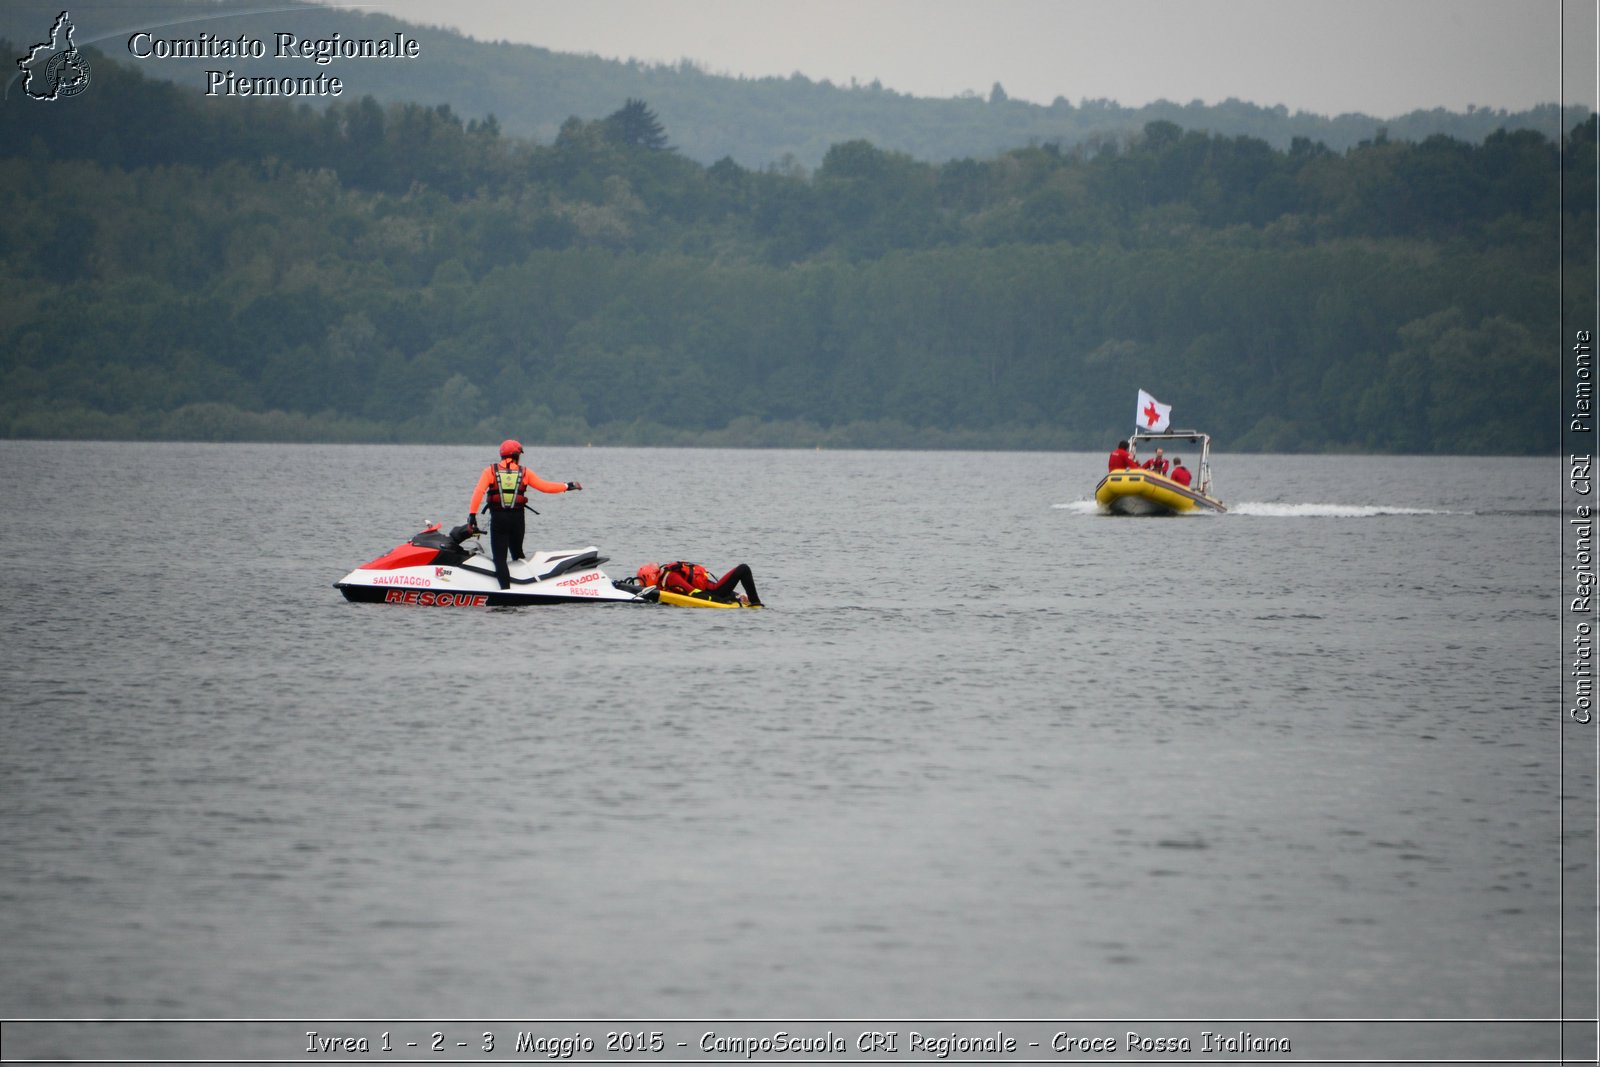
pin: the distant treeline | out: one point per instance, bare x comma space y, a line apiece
754, 121
234, 269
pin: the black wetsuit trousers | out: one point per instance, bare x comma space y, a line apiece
740, 575
505, 535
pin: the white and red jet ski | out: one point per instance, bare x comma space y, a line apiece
449, 570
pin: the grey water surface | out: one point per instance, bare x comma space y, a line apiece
987, 754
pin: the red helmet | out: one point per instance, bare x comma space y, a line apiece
510, 447
649, 574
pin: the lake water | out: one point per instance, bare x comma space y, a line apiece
988, 755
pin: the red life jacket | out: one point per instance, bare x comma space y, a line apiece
685, 578
500, 499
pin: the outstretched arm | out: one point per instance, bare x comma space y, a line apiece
533, 481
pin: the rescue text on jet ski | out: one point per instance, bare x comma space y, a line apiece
451, 570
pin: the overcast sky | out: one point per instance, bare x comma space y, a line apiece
1380, 57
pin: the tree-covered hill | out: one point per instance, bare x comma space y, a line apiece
757, 122
183, 267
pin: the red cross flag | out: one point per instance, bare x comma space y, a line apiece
1153, 414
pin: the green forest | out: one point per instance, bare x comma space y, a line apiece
532, 91
241, 269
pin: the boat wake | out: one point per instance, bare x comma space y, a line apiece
1293, 511
1333, 511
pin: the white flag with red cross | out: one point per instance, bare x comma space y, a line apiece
1153, 414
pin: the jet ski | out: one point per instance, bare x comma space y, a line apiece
451, 570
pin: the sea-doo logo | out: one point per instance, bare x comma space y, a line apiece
593, 576
55, 69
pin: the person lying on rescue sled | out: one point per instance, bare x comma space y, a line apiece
691, 579
502, 491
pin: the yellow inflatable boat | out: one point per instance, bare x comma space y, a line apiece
1137, 491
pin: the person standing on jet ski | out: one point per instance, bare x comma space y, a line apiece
502, 491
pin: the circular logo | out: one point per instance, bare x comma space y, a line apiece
67, 74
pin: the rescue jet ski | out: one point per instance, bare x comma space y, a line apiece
452, 570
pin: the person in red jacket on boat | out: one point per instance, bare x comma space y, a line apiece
1121, 458
502, 491
1157, 463
690, 578
1180, 473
